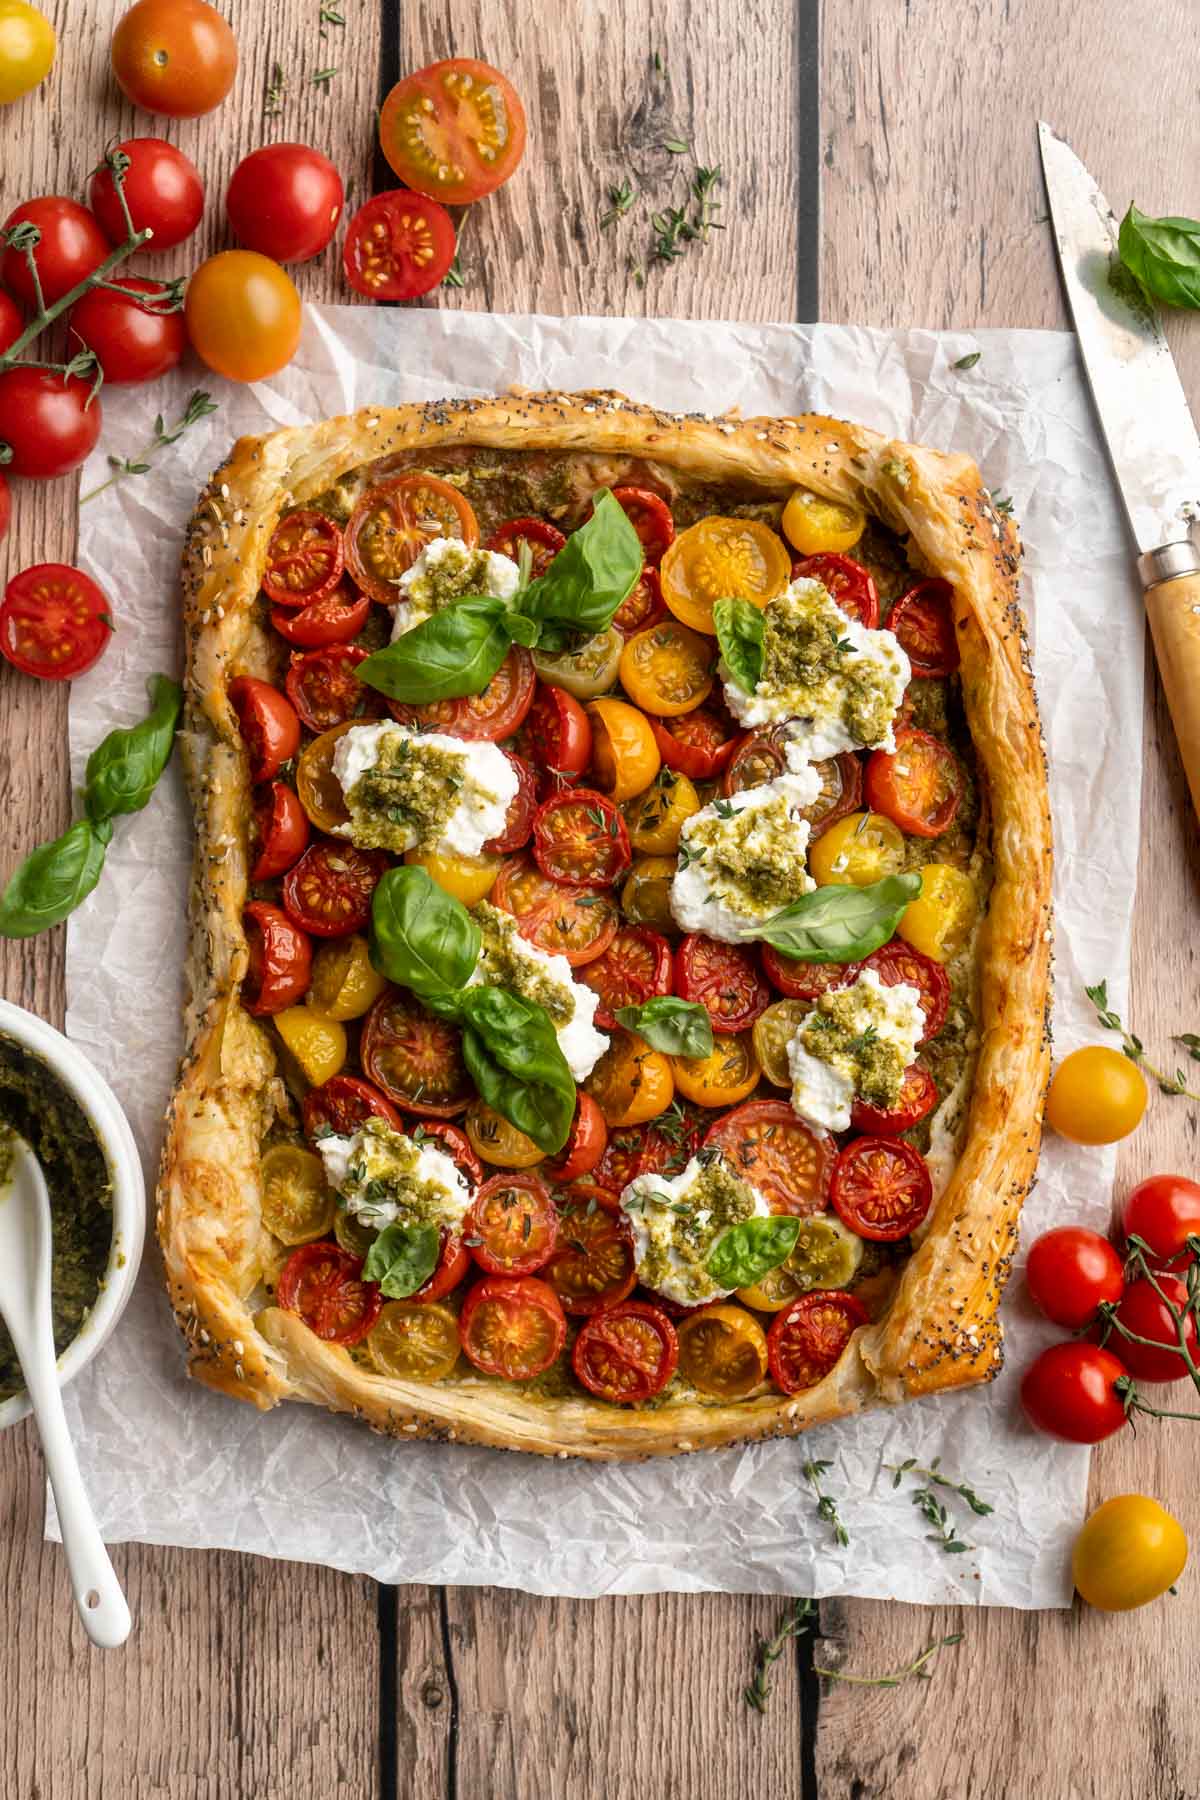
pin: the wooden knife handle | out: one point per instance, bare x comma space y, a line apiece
1173, 609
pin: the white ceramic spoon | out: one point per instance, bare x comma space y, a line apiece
25, 1308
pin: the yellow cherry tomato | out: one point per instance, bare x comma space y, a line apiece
317, 1044
586, 671
411, 1342
724, 1077
772, 1032
631, 1083
298, 1203
495, 1140
344, 984
27, 45
243, 315
723, 1352
668, 670
722, 559
646, 895
352, 1234
468, 878
1096, 1096
860, 849
625, 757
814, 525
658, 816
317, 787
1130, 1551
826, 1255
939, 921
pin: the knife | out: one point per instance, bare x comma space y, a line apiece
1147, 427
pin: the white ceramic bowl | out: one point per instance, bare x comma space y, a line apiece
129, 1189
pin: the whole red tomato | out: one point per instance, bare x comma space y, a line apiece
134, 339
175, 57
11, 322
1164, 1212
163, 191
1069, 1391
285, 201
71, 246
1070, 1272
49, 422
1145, 1312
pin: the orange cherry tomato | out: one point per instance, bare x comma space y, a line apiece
454, 131
722, 559
668, 670
625, 757
243, 315
319, 789
392, 524
584, 1146
723, 1078
631, 1083
723, 1352
174, 57
512, 1326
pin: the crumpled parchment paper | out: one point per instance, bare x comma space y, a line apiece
168, 1462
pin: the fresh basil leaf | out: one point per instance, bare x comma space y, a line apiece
422, 937
54, 879
596, 569
1163, 256
739, 627
676, 1027
513, 1056
402, 1258
746, 1252
456, 652
840, 924
124, 768
523, 630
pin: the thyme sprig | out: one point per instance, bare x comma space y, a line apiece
273, 94
919, 1667
1132, 1046
826, 1504
621, 197
793, 1621
453, 278
935, 1514
934, 1477
199, 405
329, 15
322, 77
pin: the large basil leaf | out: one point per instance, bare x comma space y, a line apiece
739, 627
54, 879
746, 1252
402, 1258
676, 1027
456, 652
840, 924
596, 569
123, 769
1163, 256
422, 937
513, 1056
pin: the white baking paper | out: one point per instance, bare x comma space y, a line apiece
168, 1462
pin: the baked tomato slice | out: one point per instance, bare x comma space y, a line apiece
518, 821
768, 1145
881, 1188
918, 1097
55, 622
329, 890
543, 539
801, 980
663, 1147
325, 691
578, 923
850, 585
280, 832
334, 619
268, 723
697, 744
635, 967
897, 961
668, 669
626, 1353
593, 1265
398, 246
280, 960
650, 517
305, 559
580, 839
455, 130
723, 1351
415, 1057
643, 607
556, 736
323, 1284
762, 755
723, 978
511, 1227
918, 786
392, 524
513, 1328
584, 1146
343, 1103
807, 1338
496, 713
923, 622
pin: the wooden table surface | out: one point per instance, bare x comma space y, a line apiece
880, 167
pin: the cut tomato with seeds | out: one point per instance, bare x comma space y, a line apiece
697, 744
513, 1328
723, 978
392, 524
518, 821
334, 619
650, 517
760, 756
807, 1338
496, 713
663, 1147
806, 980
772, 1148
643, 607
279, 966
580, 839
544, 541
455, 130
578, 923
281, 832
343, 1103
55, 622
896, 962
398, 246
329, 890
635, 967
325, 691
305, 559
846, 581
556, 736
669, 669
626, 1353
594, 1265
415, 1057
881, 1188
924, 626
511, 1227
918, 786
584, 1146
268, 723
323, 1285
918, 1097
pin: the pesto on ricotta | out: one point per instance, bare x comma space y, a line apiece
424, 791
507, 960
742, 858
855, 1043
448, 570
676, 1224
382, 1177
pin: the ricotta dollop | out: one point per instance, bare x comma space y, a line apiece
855, 1043
383, 1177
408, 790
508, 960
743, 858
446, 571
676, 1223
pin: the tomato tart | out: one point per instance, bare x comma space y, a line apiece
620, 925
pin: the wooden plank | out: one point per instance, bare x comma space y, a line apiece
934, 214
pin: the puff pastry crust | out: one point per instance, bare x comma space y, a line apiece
941, 1329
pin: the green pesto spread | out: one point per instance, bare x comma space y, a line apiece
848, 1030
751, 855
457, 572
35, 1104
405, 799
682, 1228
505, 962
809, 656
383, 1182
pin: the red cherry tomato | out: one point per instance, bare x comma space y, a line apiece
924, 626
285, 201
556, 736
329, 890
1147, 1314
280, 960
324, 689
496, 713
268, 723
580, 839
850, 585
584, 1146
398, 246
594, 1265
642, 608
771, 1147
455, 130
12, 322
54, 621
919, 785
801, 980
918, 1097
334, 619
881, 1189
544, 541
650, 517
723, 978
415, 1057
305, 559
511, 1227
1069, 1272
807, 1338
71, 246
343, 1103
635, 967
512, 1328
323, 1284
578, 923
626, 1353
134, 338
163, 191
662, 1148
760, 756
1069, 1392
175, 57
697, 744
518, 821
1164, 1211
896, 962
452, 1267
281, 829
50, 424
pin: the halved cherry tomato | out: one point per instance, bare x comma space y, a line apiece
415, 1057
584, 1146
329, 890
512, 1226
392, 524
305, 559
723, 978
773, 1149
413, 1341
941, 918
71, 246
281, 831
324, 1285
650, 517
1146, 1311
807, 1338
896, 962
335, 619
345, 983
626, 1353
455, 130
658, 815
805, 980
636, 966
580, 839
298, 1204
1069, 1391
722, 559
881, 1188
544, 540
593, 1265
924, 626
268, 723
55, 622
668, 670
761, 755
498, 1140
585, 668
280, 960
850, 586
467, 878
398, 245
698, 744
510, 1327
642, 607
859, 849
556, 736
631, 1083
918, 1097
723, 1352
342, 1104
730, 1074
325, 691
625, 759
319, 789
495, 713
576, 923
646, 895
773, 1032
919, 785
814, 525
518, 821
456, 1145
662, 1148
317, 1047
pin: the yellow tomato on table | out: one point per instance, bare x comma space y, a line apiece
668, 670
1130, 1551
722, 559
859, 849
27, 44
1096, 1096
939, 921
625, 757
243, 315
815, 526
